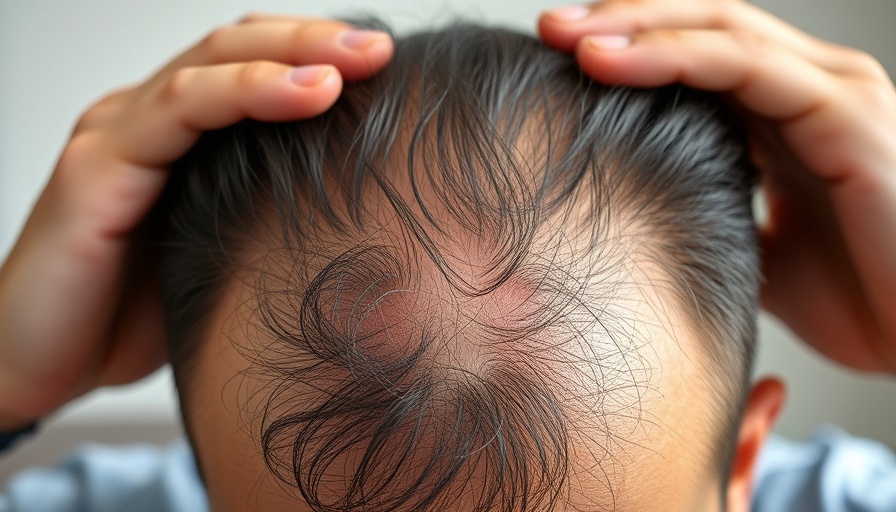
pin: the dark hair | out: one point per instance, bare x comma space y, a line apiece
478, 168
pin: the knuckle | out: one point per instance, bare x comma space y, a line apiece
78, 150
725, 13
252, 74
215, 43
90, 115
753, 44
101, 109
78, 145
85, 120
853, 61
177, 85
867, 64
305, 32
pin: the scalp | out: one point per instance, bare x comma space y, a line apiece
453, 275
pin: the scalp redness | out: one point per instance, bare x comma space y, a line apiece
447, 269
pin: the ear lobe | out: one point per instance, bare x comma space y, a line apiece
763, 406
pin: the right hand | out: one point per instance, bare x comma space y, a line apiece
74, 314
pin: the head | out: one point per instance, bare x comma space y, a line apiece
480, 282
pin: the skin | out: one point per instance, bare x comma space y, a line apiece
653, 462
822, 122
634, 453
74, 314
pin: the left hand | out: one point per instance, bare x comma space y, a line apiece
821, 121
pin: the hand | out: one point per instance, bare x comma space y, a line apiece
74, 315
822, 126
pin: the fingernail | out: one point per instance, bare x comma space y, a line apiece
609, 42
569, 13
361, 39
309, 76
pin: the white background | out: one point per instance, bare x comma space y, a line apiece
56, 56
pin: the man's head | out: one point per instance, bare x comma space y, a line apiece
480, 282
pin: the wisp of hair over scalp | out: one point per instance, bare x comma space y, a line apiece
439, 268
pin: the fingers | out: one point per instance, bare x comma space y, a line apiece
767, 78
170, 118
764, 64
114, 168
266, 67
293, 41
564, 27
357, 54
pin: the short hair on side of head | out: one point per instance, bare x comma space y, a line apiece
440, 257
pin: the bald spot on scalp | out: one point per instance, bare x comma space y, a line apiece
620, 380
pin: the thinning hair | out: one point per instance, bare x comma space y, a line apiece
440, 267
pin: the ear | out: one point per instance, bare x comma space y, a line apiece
763, 405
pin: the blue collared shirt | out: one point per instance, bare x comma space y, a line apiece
832, 472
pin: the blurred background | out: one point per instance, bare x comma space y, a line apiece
57, 56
